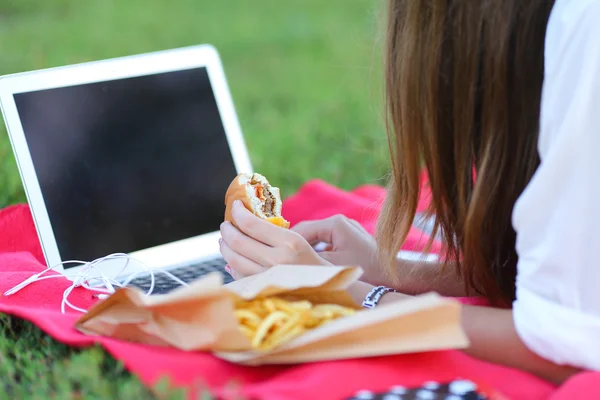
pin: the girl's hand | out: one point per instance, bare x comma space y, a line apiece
257, 244
348, 243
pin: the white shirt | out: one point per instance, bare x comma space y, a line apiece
557, 217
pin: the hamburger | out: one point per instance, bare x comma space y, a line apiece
258, 196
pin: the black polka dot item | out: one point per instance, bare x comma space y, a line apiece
455, 390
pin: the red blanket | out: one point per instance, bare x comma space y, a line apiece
20, 256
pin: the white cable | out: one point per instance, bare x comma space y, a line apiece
65, 300
85, 281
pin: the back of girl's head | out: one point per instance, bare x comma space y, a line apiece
463, 89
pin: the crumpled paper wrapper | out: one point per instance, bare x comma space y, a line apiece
200, 318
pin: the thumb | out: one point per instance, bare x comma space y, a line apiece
315, 231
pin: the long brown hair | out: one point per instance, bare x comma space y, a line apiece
463, 88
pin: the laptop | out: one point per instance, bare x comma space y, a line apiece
129, 155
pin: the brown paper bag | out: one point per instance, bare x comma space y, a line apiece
200, 317
197, 317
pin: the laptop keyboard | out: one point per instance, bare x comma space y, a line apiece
188, 273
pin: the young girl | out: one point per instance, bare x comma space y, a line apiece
499, 101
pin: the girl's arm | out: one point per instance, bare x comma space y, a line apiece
416, 277
492, 337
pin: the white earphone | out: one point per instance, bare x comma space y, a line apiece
104, 287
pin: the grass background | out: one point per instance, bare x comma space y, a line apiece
305, 76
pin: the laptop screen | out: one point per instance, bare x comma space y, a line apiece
128, 164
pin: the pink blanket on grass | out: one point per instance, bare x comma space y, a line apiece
20, 256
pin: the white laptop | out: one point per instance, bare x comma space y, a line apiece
129, 155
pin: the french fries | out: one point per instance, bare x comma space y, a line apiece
272, 321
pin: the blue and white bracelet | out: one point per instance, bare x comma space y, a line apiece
375, 296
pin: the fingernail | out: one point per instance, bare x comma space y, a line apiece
228, 269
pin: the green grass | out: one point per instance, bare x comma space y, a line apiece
305, 76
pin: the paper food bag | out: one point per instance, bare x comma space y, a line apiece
201, 317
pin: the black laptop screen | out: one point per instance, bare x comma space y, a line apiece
128, 164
